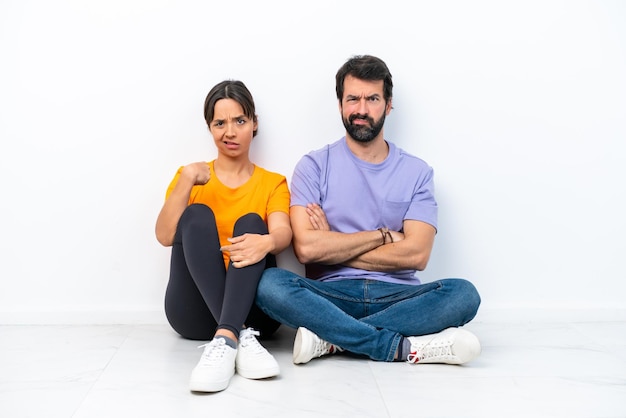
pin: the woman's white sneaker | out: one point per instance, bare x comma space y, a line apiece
253, 360
450, 346
215, 368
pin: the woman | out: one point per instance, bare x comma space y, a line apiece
225, 220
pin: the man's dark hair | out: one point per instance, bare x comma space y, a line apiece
365, 67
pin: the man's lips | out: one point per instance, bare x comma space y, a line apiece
360, 121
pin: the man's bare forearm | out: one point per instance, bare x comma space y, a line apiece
329, 247
389, 257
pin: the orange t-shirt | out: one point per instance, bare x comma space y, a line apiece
265, 192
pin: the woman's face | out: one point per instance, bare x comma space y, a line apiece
231, 129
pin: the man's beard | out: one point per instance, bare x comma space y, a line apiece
364, 133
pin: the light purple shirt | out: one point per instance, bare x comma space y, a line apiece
360, 196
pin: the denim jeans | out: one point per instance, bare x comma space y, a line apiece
366, 317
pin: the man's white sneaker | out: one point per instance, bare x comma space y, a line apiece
215, 368
451, 346
253, 360
308, 346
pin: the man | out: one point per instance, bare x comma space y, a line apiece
364, 220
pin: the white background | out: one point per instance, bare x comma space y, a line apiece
519, 107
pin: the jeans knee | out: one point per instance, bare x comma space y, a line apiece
267, 283
473, 294
471, 297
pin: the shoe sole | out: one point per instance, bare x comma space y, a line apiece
259, 374
208, 386
302, 338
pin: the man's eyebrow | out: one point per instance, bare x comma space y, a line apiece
371, 96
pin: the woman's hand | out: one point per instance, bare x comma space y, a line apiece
248, 249
199, 172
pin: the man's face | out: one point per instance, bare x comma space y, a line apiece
363, 108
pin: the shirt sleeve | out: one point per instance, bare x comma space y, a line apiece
173, 183
423, 205
305, 182
279, 198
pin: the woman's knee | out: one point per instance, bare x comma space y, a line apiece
196, 213
196, 209
250, 223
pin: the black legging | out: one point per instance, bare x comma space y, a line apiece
201, 294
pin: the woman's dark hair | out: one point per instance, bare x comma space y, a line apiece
230, 89
365, 67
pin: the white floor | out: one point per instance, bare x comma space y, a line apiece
525, 370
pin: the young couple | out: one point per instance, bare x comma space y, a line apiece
363, 219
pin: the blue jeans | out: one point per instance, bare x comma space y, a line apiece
366, 317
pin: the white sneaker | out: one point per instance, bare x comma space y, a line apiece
215, 368
253, 360
450, 346
308, 346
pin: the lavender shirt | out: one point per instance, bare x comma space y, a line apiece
360, 196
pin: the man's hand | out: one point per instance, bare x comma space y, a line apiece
317, 217
320, 223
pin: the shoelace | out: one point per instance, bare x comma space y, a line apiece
248, 340
428, 351
323, 347
213, 350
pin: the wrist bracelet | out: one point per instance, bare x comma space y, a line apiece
385, 233
382, 232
